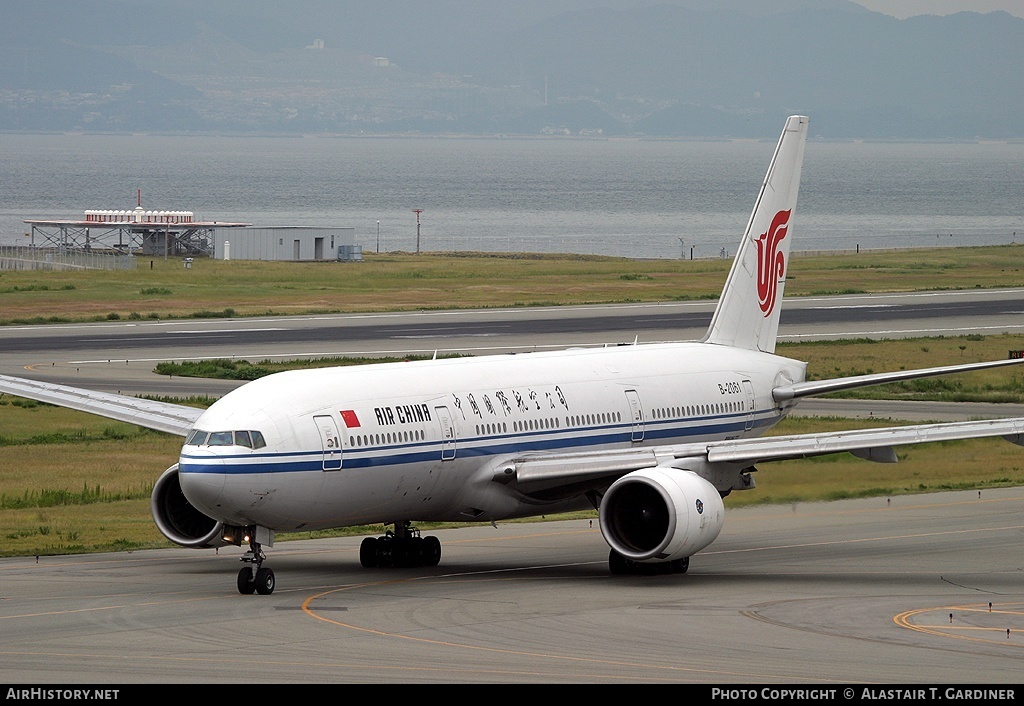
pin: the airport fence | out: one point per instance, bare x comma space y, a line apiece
20, 257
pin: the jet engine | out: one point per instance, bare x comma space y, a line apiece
660, 515
179, 521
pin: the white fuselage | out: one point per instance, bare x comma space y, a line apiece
418, 440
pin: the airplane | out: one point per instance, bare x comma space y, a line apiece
653, 436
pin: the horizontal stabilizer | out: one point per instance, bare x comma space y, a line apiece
858, 441
821, 387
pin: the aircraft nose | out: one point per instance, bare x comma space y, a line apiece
202, 484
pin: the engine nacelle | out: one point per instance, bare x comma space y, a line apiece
658, 515
179, 521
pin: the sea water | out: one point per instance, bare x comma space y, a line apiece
622, 197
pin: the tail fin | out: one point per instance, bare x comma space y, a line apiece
748, 310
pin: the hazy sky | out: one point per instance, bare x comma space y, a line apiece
906, 8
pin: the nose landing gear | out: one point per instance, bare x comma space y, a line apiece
255, 576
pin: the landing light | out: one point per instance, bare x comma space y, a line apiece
233, 535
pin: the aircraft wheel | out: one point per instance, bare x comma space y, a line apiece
431, 551
246, 583
405, 552
617, 564
385, 552
368, 553
415, 552
265, 581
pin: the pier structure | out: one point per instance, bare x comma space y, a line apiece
136, 231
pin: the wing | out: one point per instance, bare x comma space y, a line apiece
162, 416
552, 475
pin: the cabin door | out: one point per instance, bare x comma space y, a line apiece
748, 390
636, 412
444, 418
330, 441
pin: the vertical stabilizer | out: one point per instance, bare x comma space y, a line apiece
748, 311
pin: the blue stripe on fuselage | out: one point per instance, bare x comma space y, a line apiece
481, 446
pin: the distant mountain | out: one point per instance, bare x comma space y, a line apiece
693, 68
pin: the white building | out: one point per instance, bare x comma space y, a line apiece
286, 243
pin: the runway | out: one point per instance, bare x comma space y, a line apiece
854, 592
119, 356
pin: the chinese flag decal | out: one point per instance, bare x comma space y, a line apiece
349, 417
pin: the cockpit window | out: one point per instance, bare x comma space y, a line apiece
249, 439
221, 438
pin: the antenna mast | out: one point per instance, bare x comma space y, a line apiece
417, 211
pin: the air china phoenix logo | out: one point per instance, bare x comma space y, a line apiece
771, 264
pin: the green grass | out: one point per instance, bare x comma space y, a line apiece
234, 369
404, 281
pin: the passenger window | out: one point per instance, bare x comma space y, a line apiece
242, 439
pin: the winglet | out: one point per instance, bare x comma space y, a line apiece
747, 315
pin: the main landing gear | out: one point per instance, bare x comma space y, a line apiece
402, 548
255, 577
